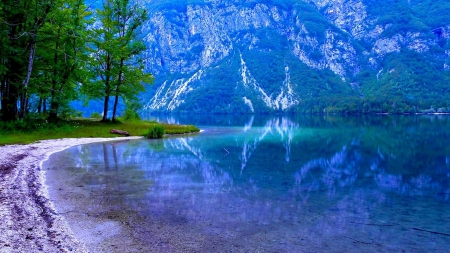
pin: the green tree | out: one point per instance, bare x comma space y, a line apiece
62, 53
51, 31
116, 63
20, 22
131, 70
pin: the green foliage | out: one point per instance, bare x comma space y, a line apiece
314, 22
217, 91
20, 22
179, 129
270, 39
269, 72
116, 66
155, 132
410, 83
95, 115
30, 126
129, 115
398, 15
69, 56
69, 112
434, 12
51, 31
132, 111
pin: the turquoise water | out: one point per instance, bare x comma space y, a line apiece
272, 184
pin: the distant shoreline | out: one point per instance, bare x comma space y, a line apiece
29, 220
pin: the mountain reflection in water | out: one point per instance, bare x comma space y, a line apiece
284, 184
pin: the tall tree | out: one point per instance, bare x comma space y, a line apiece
62, 55
131, 70
20, 22
119, 71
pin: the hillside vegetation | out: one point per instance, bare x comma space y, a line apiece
350, 56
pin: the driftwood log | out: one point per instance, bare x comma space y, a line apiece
115, 131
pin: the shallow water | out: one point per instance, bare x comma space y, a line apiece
264, 184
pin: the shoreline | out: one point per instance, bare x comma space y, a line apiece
29, 222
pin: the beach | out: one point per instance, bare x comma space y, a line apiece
29, 222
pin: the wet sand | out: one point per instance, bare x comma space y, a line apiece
28, 220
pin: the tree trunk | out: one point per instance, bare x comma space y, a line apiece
53, 114
119, 82
24, 98
23, 104
39, 106
11, 96
105, 109
121, 132
54, 105
2, 88
116, 101
107, 87
9, 102
27, 102
11, 80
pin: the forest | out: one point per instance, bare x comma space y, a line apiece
53, 52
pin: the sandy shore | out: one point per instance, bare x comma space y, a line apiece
28, 220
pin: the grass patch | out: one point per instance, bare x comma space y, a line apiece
35, 130
155, 132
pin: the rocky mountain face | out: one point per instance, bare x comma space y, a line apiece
226, 56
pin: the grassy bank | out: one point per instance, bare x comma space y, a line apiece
31, 131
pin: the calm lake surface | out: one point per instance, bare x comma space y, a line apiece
263, 184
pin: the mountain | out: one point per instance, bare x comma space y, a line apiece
225, 56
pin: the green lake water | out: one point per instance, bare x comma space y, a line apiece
263, 184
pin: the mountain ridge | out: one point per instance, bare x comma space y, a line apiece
294, 56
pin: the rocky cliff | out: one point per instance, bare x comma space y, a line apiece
291, 55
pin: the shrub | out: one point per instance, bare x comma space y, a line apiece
131, 112
96, 115
155, 132
130, 115
68, 112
